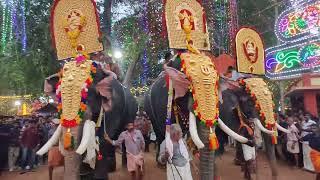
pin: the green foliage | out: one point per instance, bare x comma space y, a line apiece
24, 73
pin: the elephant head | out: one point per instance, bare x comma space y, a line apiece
106, 106
253, 97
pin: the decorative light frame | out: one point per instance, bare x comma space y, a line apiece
301, 7
297, 42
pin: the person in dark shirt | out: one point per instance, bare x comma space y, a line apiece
249, 153
14, 146
314, 143
29, 142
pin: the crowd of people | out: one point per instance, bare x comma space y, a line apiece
20, 138
290, 146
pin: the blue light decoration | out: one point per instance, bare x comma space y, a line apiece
298, 30
13, 24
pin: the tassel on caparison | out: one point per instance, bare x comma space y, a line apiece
274, 139
213, 140
67, 140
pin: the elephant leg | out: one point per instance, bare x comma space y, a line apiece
207, 157
72, 166
72, 160
270, 150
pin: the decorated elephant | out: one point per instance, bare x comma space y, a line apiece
109, 107
90, 100
250, 99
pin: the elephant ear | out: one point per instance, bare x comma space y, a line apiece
50, 85
179, 80
104, 88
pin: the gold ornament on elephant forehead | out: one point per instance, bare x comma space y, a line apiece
204, 87
262, 96
250, 52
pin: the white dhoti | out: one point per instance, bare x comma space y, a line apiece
249, 152
179, 173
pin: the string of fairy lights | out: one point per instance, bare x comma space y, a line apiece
13, 23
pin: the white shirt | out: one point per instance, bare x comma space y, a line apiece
306, 125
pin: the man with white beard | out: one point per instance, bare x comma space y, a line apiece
174, 153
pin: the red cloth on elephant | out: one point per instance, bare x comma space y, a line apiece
180, 82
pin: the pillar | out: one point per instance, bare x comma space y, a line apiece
310, 102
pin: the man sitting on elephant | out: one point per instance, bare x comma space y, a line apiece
135, 145
175, 155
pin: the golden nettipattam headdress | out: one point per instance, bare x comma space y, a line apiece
75, 27
250, 52
180, 13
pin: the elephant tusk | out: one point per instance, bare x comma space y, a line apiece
88, 129
51, 142
282, 128
260, 126
194, 132
231, 133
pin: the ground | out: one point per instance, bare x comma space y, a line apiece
225, 167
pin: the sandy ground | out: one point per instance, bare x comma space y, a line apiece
226, 170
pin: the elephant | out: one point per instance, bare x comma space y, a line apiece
237, 96
156, 101
110, 106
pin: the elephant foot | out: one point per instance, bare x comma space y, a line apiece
274, 177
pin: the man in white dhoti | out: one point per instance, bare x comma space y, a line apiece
174, 153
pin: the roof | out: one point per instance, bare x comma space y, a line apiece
297, 90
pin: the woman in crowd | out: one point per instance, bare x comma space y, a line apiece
293, 140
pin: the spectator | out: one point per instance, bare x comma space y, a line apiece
305, 124
174, 153
248, 149
293, 140
144, 125
14, 147
134, 143
281, 147
314, 142
29, 141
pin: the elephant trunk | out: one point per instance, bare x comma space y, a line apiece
231, 133
51, 142
72, 160
194, 132
207, 156
263, 129
271, 155
282, 128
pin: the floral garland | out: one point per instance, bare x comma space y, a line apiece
83, 107
270, 126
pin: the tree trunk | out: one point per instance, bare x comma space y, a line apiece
72, 160
127, 79
270, 150
207, 157
107, 16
